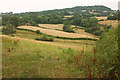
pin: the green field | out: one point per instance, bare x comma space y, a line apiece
76, 44
26, 59
32, 59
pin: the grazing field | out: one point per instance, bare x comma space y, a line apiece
26, 34
75, 44
57, 33
113, 23
100, 18
29, 59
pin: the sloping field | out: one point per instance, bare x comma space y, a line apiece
53, 26
57, 33
94, 13
82, 31
99, 18
114, 23
68, 16
77, 45
23, 58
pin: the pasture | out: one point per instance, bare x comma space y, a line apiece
30, 59
75, 44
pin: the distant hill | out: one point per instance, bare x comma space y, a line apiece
80, 8
100, 9
78, 16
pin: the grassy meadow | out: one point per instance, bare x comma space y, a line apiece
78, 42
27, 59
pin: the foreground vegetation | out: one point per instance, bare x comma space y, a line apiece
38, 60
65, 55
49, 61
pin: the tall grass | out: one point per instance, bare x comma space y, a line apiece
24, 59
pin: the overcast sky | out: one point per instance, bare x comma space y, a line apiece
18, 6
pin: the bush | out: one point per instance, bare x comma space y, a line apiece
38, 32
67, 28
8, 29
98, 32
107, 48
45, 38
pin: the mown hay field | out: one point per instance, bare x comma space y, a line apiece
82, 31
69, 16
94, 13
57, 33
113, 23
53, 26
100, 18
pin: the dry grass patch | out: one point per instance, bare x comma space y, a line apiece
53, 26
113, 23
82, 31
69, 16
94, 13
100, 18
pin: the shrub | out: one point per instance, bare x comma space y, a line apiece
107, 48
9, 29
38, 32
45, 38
98, 32
67, 28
